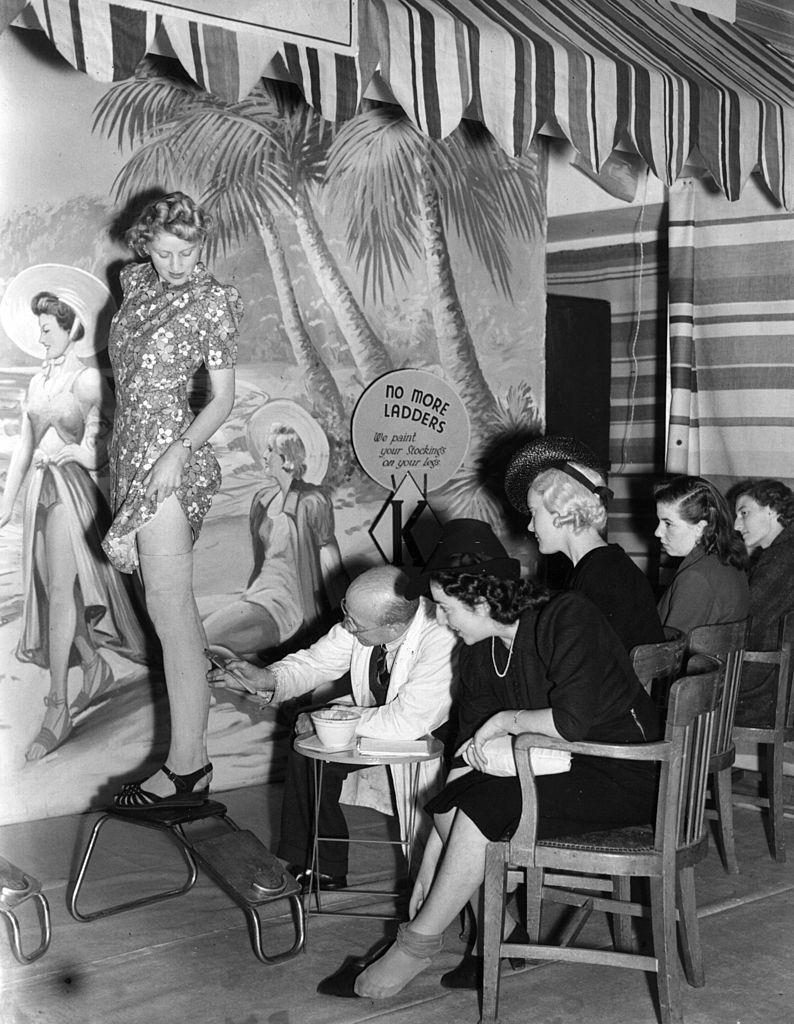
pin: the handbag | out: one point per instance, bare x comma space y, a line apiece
501, 760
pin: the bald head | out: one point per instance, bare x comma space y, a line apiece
376, 597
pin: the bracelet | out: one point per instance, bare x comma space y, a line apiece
515, 717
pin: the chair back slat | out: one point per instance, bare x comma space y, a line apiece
787, 669
782, 658
692, 709
724, 641
657, 666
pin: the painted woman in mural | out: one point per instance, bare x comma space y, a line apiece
297, 576
75, 603
174, 318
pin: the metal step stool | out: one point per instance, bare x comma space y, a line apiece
234, 858
16, 888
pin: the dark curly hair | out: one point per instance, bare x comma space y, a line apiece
175, 213
768, 494
506, 599
698, 499
48, 303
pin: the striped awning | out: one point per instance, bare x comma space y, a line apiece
666, 79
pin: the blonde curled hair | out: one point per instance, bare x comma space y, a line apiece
176, 214
570, 502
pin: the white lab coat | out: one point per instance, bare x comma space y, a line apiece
421, 685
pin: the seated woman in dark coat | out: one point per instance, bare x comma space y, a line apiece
710, 584
531, 663
765, 519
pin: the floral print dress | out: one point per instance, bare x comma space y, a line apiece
159, 338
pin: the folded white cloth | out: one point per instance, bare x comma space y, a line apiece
501, 761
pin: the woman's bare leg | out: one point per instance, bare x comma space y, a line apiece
165, 548
61, 571
458, 878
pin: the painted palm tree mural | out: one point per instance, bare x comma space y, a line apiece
400, 192
359, 249
398, 197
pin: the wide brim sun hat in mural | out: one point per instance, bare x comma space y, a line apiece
550, 452
287, 413
89, 297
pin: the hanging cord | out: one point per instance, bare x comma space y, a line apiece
636, 333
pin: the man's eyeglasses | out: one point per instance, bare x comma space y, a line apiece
350, 623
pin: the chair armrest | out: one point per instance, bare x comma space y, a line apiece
658, 751
763, 657
524, 836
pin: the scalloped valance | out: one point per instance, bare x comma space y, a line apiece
662, 78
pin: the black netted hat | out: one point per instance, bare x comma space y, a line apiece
466, 546
552, 452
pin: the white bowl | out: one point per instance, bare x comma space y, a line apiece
336, 726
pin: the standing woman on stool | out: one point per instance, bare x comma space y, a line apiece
174, 317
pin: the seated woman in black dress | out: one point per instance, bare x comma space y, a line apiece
558, 483
531, 663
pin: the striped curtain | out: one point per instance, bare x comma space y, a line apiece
663, 77
731, 335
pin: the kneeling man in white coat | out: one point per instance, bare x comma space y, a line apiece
402, 667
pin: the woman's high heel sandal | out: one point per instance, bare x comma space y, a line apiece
54, 730
97, 680
132, 798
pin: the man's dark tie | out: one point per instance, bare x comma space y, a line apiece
379, 674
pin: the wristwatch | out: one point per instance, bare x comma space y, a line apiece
186, 442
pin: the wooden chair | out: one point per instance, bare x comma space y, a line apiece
657, 666
665, 853
724, 641
774, 736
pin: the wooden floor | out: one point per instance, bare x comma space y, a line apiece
190, 959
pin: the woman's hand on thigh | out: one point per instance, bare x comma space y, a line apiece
165, 476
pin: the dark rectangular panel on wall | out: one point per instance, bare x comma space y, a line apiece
620, 256
578, 370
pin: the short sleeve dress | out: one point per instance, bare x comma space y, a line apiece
159, 338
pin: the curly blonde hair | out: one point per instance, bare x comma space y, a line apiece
571, 503
176, 214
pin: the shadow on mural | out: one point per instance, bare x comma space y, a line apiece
358, 249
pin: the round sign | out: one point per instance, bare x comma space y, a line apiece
410, 421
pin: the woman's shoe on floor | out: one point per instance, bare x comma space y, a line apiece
133, 799
400, 964
342, 983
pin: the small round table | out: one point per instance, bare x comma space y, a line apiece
320, 755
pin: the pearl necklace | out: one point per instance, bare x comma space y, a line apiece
501, 675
